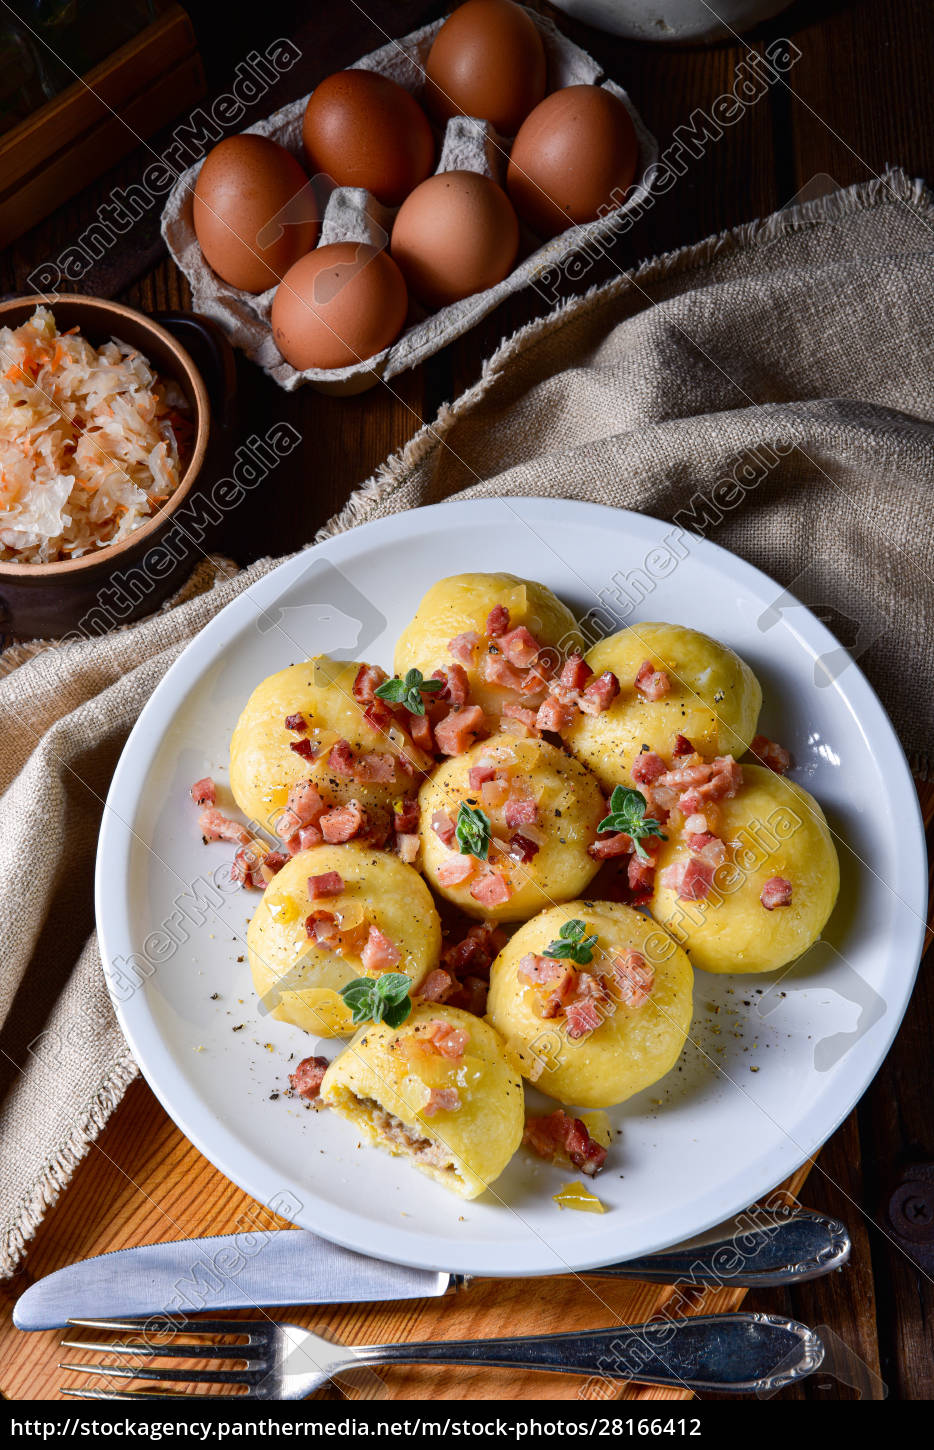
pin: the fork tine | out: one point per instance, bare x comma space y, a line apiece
141, 1372
89, 1394
256, 1332
174, 1351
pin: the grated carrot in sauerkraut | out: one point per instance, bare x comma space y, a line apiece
92, 442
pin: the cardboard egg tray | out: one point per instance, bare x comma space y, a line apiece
352, 214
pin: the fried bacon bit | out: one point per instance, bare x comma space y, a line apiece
498, 671
368, 680
304, 748
329, 883
407, 845
464, 647
682, 746
447, 1040
436, 987
554, 714
634, 977
648, 767
378, 714
304, 840
307, 1077
492, 889
520, 647
559, 1137
775, 892
459, 730
695, 881
651, 683
599, 694
380, 953
442, 1100
321, 928
640, 877
522, 848
476, 950
215, 826
539, 971
709, 846
342, 823
455, 686
443, 827
298, 723
419, 728
575, 672
698, 781
405, 815
527, 718
558, 978
470, 995
478, 775
617, 844
776, 757
341, 759
274, 861
377, 766
521, 811
204, 792
497, 621
583, 1016
247, 868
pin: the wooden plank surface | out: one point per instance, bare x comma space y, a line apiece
861, 96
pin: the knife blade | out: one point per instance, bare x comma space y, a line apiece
230, 1271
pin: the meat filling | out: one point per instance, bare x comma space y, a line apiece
404, 1139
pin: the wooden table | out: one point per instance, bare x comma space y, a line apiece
861, 96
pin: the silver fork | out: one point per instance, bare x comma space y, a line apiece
738, 1353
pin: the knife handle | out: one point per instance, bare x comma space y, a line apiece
759, 1249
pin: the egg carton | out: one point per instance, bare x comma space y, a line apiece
354, 215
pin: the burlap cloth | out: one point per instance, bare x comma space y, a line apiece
784, 372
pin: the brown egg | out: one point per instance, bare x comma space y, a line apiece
487, 60
362, 129
338, 305
240, 216
456, 234
573, 159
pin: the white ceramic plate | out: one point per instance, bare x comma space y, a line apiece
772, 1067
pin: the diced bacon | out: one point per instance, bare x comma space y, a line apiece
307, 1077
583, 1017
682, 746
634, 978
464, 647
539, 971
477, 949
699, 780
442, 1100
575, 672
443, 827
460, 729
520, 647
470, 995
341, 759
559, 980
329, 883
697, 879
247, 868
478, 775
405, 815
436, 987
497, 621
640, 877
422, 733
617, 844
522, 848
407, 845
498, 671
776, 757
304, 748
455, 870
368, 680
379, 766
659, 802
672, 876
492, 889
554, 714
521, 811
494, 794
455, 687
297, 723
599, 694
527, 718
559, 1137
342, 823
321, 928
647, 767
204, 792
380, 953
378, 831
709, 846
775, 892
535, 680
447, 1040
378, 714
651, 683
275, 860
306, 838
215, 826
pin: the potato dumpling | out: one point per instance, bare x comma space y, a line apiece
298, 977
775, 832
543, 808
263, 765
714, 700
619, 1022
439, 1090
459, 608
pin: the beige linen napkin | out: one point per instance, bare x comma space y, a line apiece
771, 388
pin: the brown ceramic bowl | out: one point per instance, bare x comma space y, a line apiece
126, 580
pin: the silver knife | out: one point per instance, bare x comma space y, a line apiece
759, 1248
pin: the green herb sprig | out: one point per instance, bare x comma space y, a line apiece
627, 814
572, 944
408, 691
379, 999
473, 830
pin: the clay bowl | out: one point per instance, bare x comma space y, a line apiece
123, 581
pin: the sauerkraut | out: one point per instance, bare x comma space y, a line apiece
92, 441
